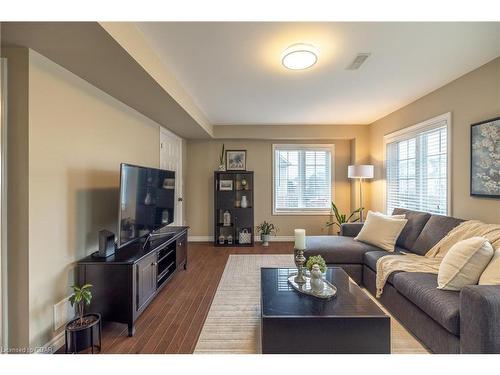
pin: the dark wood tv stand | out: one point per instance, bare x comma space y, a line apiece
124, 284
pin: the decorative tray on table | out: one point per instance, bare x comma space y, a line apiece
329, 290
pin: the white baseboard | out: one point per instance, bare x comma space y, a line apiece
53, 345
257, 239
200, 238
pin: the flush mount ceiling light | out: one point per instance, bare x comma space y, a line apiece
299, 56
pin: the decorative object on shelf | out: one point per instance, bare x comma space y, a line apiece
244, 183
340, 218
237, 185
222, 239
360, 172
226, 185
266, 230
317, 284
485, 158
318, 260
236, 160
244, 201
237, 203
226, 218
222, 166
81, 332
245, 237
300, 245
230, 239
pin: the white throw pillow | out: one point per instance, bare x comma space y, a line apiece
464, 263
491, 274
381, 230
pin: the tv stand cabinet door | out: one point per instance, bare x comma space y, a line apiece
146, 280
181, 251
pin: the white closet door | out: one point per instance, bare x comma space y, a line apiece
3, 218
171, 159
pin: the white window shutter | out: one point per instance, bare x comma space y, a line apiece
302, 178
416, 171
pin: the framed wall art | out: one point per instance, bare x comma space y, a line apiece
485, 158
236, 160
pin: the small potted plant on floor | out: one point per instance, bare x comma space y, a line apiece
340, 218
266, 230
85, 329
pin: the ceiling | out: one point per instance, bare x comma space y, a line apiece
233, 71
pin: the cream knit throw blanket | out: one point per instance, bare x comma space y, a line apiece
432, 259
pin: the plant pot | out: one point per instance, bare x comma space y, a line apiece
265, 239
81, 337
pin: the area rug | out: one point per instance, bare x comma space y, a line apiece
233, 321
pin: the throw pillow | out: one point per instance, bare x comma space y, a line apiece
381, 230
491, 274
464, 263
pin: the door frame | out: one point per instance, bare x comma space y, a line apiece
178, 216
3, 204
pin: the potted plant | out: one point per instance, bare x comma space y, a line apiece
78, 330
316, 260
317, 267
266, 230
222, 166
340, 218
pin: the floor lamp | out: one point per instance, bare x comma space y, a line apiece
360, 172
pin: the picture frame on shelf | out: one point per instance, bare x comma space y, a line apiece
236, 160
226, 185
484, 158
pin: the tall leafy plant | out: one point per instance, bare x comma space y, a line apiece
81, 297
221, 156
340, 218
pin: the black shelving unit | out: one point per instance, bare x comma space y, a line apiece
226, 201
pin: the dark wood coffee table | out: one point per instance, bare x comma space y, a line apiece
294, 323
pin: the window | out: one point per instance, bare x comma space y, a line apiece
302, 179
417, 167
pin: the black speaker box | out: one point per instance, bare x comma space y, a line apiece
106, 244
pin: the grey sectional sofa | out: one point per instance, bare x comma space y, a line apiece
444, 321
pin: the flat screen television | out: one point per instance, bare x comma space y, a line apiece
147, 201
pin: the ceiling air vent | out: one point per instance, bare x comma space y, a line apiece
358, 61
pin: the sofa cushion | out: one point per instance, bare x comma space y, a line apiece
337, 249
435, 229
371, 258
441, 305
381, 230
491, 275
412, 229
464, 263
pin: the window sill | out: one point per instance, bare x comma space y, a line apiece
301, 213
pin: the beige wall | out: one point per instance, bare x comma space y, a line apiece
471, 98
18, 188
357, 134
203, 159
78, 136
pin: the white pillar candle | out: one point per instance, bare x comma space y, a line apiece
300, 239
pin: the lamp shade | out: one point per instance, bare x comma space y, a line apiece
360, 171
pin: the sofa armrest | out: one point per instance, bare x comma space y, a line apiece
350, 229
480, 319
